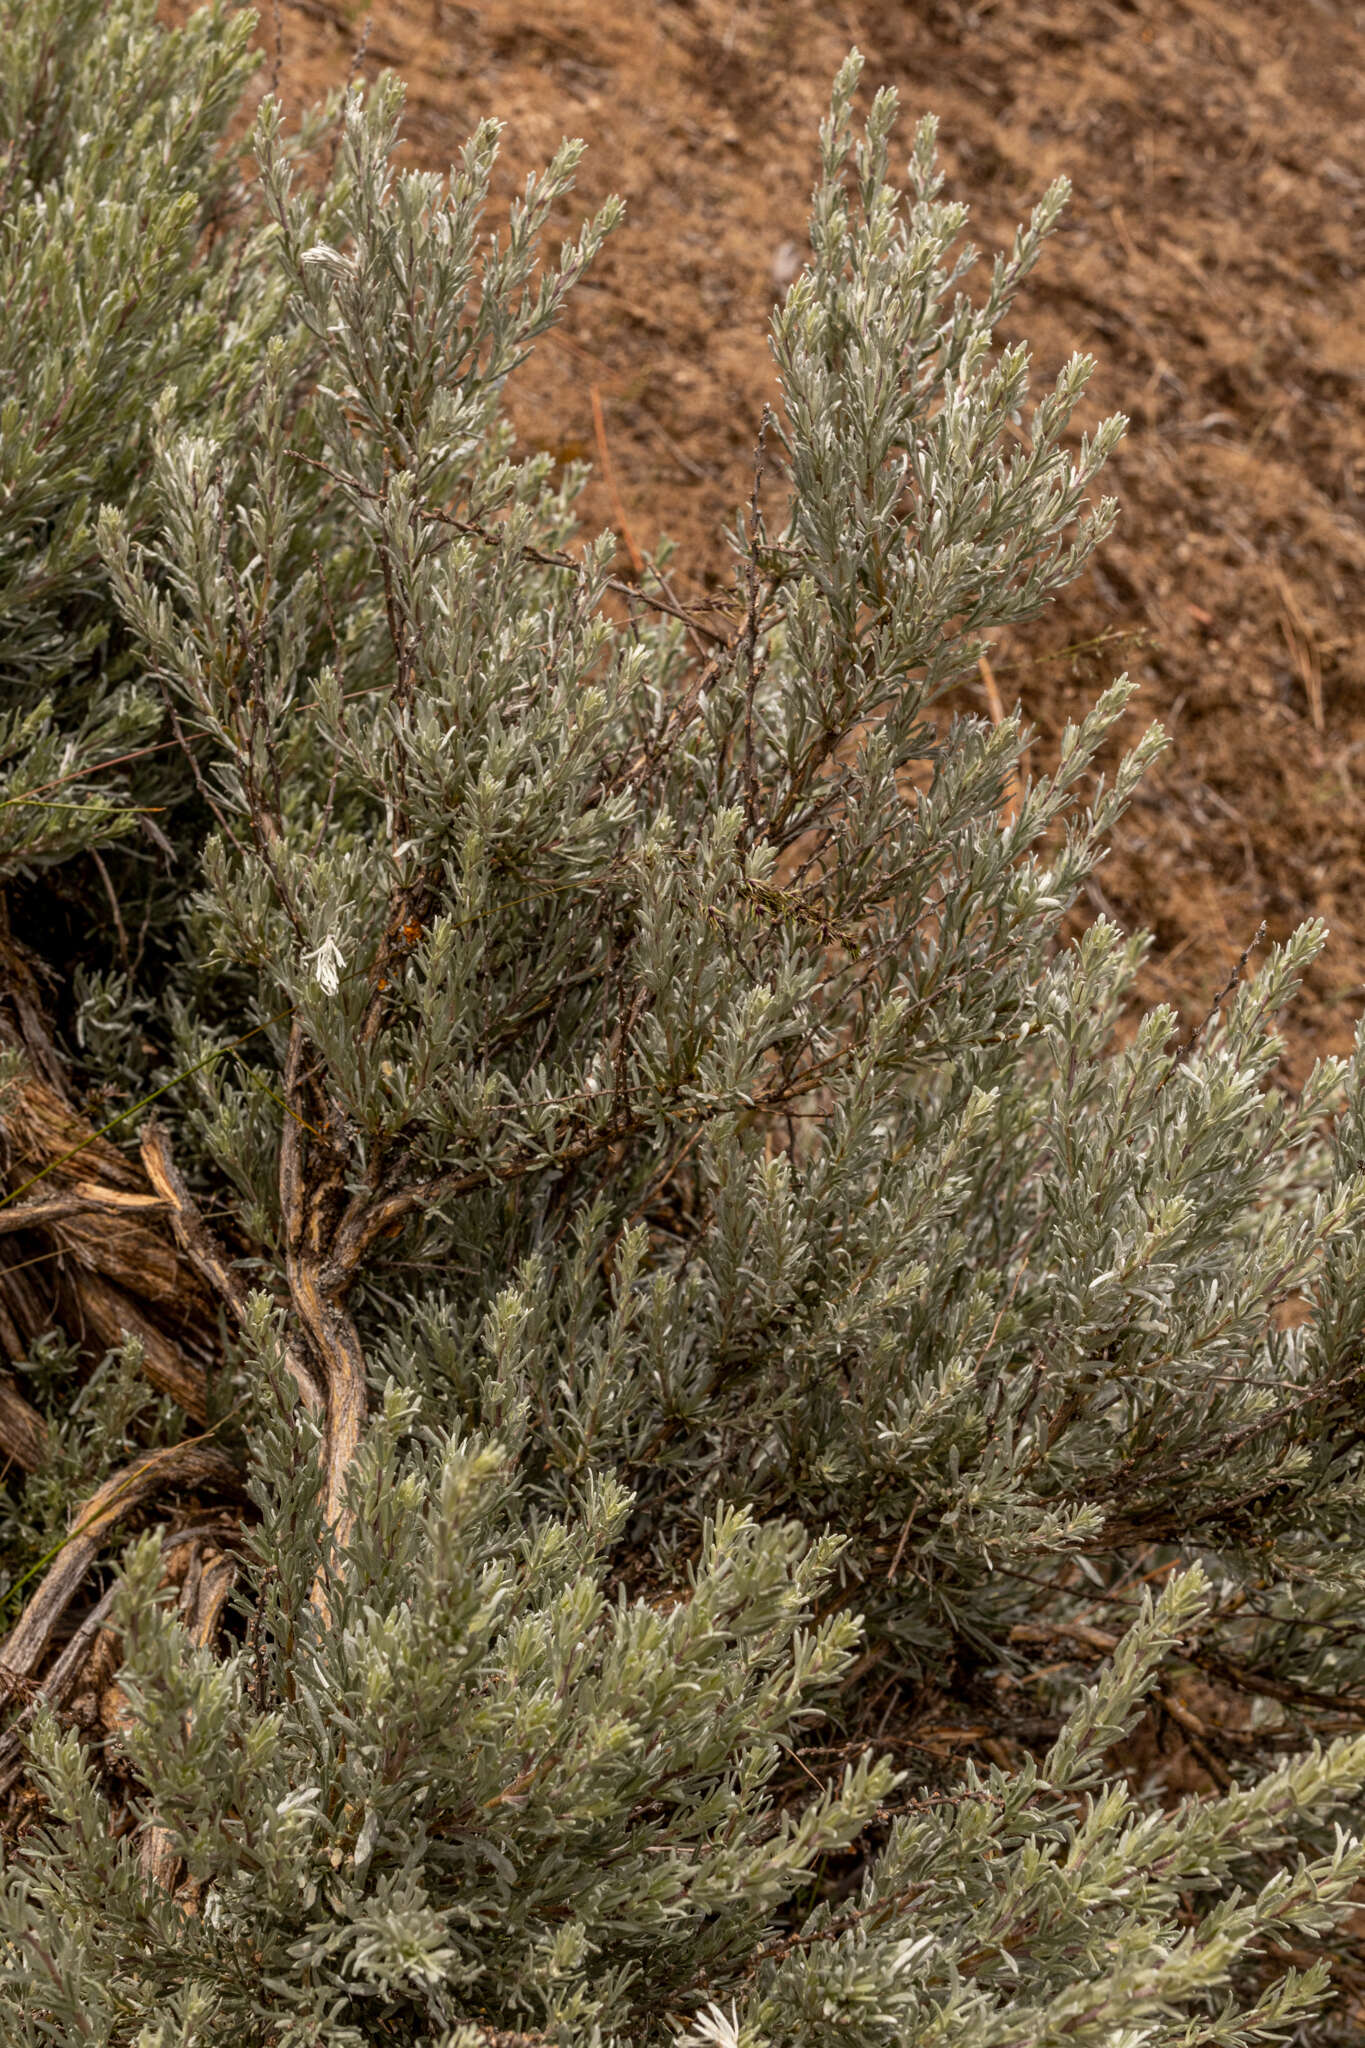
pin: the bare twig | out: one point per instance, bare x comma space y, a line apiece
545, 558
112, 895
1197, 1036
279, 49
359, 55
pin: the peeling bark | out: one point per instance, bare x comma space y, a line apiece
191, 1464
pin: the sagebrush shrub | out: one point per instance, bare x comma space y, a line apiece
674, 1246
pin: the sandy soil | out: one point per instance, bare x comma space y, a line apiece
1211, 261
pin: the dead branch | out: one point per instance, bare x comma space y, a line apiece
205, 1253
304, 1199
336, 1343
112, 1317
69, 1668
111, 1254
189, 1464
58, 1686
23, 1433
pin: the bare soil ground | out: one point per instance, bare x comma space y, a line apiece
1211, 261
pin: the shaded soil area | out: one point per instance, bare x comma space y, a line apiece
1211, 261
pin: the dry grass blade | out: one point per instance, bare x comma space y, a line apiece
997, 712
1303, 649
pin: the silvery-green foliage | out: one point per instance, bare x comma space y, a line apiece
761, 1242
484, 1783
128, 308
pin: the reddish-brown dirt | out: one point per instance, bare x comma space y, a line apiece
1211, 261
